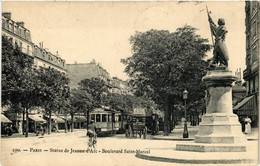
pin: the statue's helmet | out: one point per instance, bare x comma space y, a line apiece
221, 21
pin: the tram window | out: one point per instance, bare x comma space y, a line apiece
97, 117
104, 117
93, 117
116, 118
109, 118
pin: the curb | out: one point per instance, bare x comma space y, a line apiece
175, 139
190, 139
194, 161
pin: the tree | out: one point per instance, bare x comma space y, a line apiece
164, 64
52, 85
96, 87
79, 102
19, 80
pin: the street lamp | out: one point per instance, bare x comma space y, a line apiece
185, 131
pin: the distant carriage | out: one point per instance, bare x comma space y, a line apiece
106, 120
137, 124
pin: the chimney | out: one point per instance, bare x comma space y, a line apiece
7, 15
20, 24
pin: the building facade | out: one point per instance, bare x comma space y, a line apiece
47, 59
17, 33
120, 87
78, 72
250, 105
21, 37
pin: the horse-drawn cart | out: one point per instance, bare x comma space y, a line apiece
136, 125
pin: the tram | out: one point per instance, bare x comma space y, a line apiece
106, 120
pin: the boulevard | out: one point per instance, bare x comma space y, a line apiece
71, 149
51, 149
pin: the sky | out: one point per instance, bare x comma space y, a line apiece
83, 31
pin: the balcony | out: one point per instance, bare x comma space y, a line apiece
246, 73
255, 67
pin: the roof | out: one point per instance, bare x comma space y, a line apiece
4, 119
240, 104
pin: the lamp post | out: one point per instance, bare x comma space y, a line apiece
185, 131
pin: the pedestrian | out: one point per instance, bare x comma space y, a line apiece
91, 133
20, 127
8, 130
37, 130
247, 125
43, 129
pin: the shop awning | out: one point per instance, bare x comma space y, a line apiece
80, 119
36, 118
4, 119
243, 102
57, 119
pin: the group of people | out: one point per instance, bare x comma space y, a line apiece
40, 128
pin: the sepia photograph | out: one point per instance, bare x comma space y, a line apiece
130, 83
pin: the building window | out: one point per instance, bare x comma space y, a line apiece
10, 27
15, 29
28, 49
248, 41
253, 88
254, 29
254, 55
248, 59
256, 83
21, 44
3, 23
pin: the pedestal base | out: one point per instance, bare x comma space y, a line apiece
221, 129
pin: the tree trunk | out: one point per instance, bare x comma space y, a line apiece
66, 127
49, 121
27, 123
23, 121
171, 118
122, 120
87, 119
166, 117
72, 123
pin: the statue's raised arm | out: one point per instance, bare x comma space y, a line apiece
220, 52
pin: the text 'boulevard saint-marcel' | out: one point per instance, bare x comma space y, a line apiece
146, 151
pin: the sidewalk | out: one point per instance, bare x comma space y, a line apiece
33, 135
177, 134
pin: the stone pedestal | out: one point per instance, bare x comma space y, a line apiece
219, 125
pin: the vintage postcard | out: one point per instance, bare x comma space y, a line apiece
133, 83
